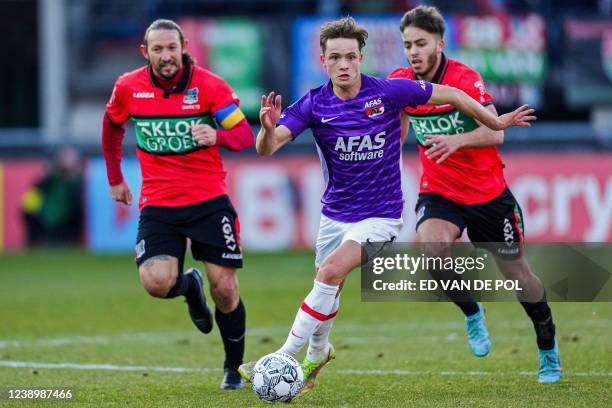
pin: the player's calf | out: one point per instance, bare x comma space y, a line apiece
224, 290
232, 327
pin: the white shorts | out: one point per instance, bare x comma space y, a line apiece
333, 233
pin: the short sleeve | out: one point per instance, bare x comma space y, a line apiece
473, 85
407, 92
298, 116
221, 95
117, 107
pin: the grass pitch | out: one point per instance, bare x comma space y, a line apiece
77, 321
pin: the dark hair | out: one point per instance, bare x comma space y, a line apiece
426, 18
163, 24
346, 27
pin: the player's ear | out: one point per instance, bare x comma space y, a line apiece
441, 44
185, 44
322, 58
143, 51
360, 58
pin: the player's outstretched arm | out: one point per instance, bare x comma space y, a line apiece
447, 94
270, 137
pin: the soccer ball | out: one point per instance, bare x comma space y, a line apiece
277, 377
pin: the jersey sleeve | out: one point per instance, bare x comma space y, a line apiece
298, 116
407, 92
117, 107
473, 85
223, 103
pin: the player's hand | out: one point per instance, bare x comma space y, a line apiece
441, 146
204, 135
522, 116
270, 111
121, 192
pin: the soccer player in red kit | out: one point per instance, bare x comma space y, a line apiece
182, 115
463, 186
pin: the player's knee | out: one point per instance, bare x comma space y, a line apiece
157, 285
516, 269
156, 288
433, 233
330, 273
225, 291
436, 249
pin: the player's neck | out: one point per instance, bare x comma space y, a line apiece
429, 75
350, 92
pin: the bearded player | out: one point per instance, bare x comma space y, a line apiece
463, 185
182, 115
355, 119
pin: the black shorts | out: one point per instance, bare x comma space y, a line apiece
212, 226
496, 225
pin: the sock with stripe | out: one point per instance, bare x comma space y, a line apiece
318, 345
317, 308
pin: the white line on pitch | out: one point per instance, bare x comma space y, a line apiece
109, 367
466, 373
114, 367
451, 330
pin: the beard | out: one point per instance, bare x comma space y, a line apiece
432, 60
160, 70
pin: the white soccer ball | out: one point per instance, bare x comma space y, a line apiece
277, 377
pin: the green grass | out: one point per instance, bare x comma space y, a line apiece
97, 306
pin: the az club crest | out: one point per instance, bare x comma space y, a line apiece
374, 108
191, 96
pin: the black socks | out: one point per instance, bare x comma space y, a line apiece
468, 308
541, 316
232, 327
186, 285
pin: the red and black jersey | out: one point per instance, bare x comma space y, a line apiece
176, 171
469, 175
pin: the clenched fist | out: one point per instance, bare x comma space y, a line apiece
204, 135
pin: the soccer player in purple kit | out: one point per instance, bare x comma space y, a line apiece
355, 119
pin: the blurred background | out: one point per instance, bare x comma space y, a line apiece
61, 58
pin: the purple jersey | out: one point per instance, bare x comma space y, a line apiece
359, 144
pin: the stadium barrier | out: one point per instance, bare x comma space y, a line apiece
565, 198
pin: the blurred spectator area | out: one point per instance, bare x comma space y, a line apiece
255, 46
